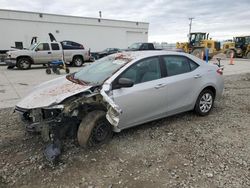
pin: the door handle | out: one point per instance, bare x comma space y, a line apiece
158, 86
49, 52
197, 76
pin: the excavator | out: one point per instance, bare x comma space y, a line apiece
198, 42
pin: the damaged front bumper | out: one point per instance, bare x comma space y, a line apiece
55, 121
51, 123
36, 119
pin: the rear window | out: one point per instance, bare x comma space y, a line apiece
178, 65
55, 46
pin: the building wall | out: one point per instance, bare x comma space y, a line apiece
96, 34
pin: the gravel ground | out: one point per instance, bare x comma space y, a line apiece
180, 151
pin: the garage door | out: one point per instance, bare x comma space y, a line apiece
133, 36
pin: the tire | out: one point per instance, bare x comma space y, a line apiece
228, 53
58, 72
11, 67
197, 53
23, 63
248, 55
77, 61
48, 71
92, 125
204, 102
54, 69
67, 70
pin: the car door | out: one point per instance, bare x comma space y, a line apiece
183, 81
145, 100
42, 53
56, 53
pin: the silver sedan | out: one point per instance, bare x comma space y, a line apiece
121, 91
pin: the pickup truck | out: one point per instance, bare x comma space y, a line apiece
44, 53
141, 46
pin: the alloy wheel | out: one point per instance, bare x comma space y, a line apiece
206, 102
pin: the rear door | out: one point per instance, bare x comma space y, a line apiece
42, 53
144, 101
183, 81
56, 52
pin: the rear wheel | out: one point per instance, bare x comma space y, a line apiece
23, 63
204, 103
94, 130
77, 61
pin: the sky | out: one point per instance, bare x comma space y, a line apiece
168, 19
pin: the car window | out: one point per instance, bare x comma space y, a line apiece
43, 47
177, 65
145, 46
146, 70
100, 70
64, 43
193, 65
55, 46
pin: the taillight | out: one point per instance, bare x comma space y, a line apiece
220, 71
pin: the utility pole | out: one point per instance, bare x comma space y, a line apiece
190, 25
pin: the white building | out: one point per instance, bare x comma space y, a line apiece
94, 33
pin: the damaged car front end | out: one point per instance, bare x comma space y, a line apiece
56, 108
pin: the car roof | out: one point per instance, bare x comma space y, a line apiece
133, 55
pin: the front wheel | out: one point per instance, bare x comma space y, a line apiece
48, 71
77, 61
23, 63
94, 130
204, 103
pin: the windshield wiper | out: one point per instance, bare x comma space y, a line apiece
71, 77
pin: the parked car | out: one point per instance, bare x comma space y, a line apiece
107, 51
141, 46
120, 91
45, 52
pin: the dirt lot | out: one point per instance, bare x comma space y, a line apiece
180, 151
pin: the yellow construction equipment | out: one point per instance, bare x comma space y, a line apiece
197, 44
240, 47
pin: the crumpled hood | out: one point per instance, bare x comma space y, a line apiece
51, 93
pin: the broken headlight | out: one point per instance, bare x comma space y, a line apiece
52, 112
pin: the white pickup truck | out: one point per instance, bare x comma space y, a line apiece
44, 53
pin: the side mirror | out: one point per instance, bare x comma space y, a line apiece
36, 49
124, 82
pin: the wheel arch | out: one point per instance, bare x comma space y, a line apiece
25, 56
208, 86
78, 55
211, 88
